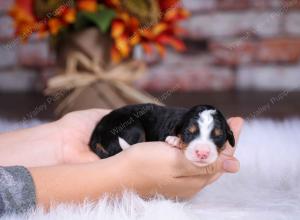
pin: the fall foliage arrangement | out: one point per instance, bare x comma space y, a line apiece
152, 24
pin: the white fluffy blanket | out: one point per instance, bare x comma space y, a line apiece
266, 188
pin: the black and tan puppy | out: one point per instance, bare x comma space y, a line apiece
200, 132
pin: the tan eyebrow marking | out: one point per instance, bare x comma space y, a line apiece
192, 129
218, 132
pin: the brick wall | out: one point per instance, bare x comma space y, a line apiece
245, 44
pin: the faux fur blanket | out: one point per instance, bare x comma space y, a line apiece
267, 186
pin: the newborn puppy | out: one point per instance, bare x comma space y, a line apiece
200, 132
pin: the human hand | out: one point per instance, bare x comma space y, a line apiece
148, 168
74, 131
152, 168
60, 142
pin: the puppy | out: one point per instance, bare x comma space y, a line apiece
200, 132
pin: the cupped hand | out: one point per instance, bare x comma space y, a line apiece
155, 167
74, 131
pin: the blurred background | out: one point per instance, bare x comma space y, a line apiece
242, 56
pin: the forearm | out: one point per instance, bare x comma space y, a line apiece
29, 147
75, 183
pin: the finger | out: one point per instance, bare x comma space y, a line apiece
231, 165
225, 161
236, 125
91, 117
94, 115
97, 113
228, 164
88, 118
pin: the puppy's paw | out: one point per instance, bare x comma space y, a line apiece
173, 141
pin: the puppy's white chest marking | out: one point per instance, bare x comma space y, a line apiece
123, 144
206, 123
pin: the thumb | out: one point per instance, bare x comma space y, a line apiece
231, 165
225, 164
226, 161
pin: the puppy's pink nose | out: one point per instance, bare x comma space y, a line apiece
202, 154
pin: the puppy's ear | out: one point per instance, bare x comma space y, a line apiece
230, 136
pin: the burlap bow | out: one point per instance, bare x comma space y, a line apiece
82, 72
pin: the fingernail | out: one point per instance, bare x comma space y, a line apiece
231, 165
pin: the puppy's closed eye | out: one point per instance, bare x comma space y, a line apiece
217, 132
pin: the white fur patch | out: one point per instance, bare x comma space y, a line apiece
123, 144
206, 124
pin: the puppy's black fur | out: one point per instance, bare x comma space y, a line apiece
150, 122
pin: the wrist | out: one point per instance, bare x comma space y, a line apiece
112, 175
122, 167
29, 147
132, 174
